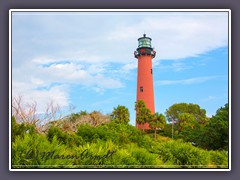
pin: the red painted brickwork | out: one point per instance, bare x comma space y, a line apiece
145, 90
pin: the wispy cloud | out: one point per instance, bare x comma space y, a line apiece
176, 66
189, 81
129, 66
180, 35
105, 101
209, 98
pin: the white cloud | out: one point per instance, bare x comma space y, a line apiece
57, 94
82, 75
129, 66
64, 72
96, 68
179, 36
43, 60
43, 83
175, 35
43, 44
188, 81
67, 54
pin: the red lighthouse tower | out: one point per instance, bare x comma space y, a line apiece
145, 53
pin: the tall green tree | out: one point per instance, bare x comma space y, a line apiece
173, 112
188, 127
143, 114
186, 120
121, 115
158, 122
215, 134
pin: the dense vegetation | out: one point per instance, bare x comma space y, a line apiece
94, 140
211, 135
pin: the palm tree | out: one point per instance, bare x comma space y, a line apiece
121, 115
158, 122
143, 114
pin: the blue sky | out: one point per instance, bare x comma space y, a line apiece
85, 59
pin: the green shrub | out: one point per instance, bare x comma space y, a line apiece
131, 156
35, 151
102, 132
118, 133
63, 137
219, 159
21, 129
183, 154
94, 155
110, 145
144, 157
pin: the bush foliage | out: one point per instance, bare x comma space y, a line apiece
113, 144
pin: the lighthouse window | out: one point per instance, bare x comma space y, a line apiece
141, 89
151, 71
